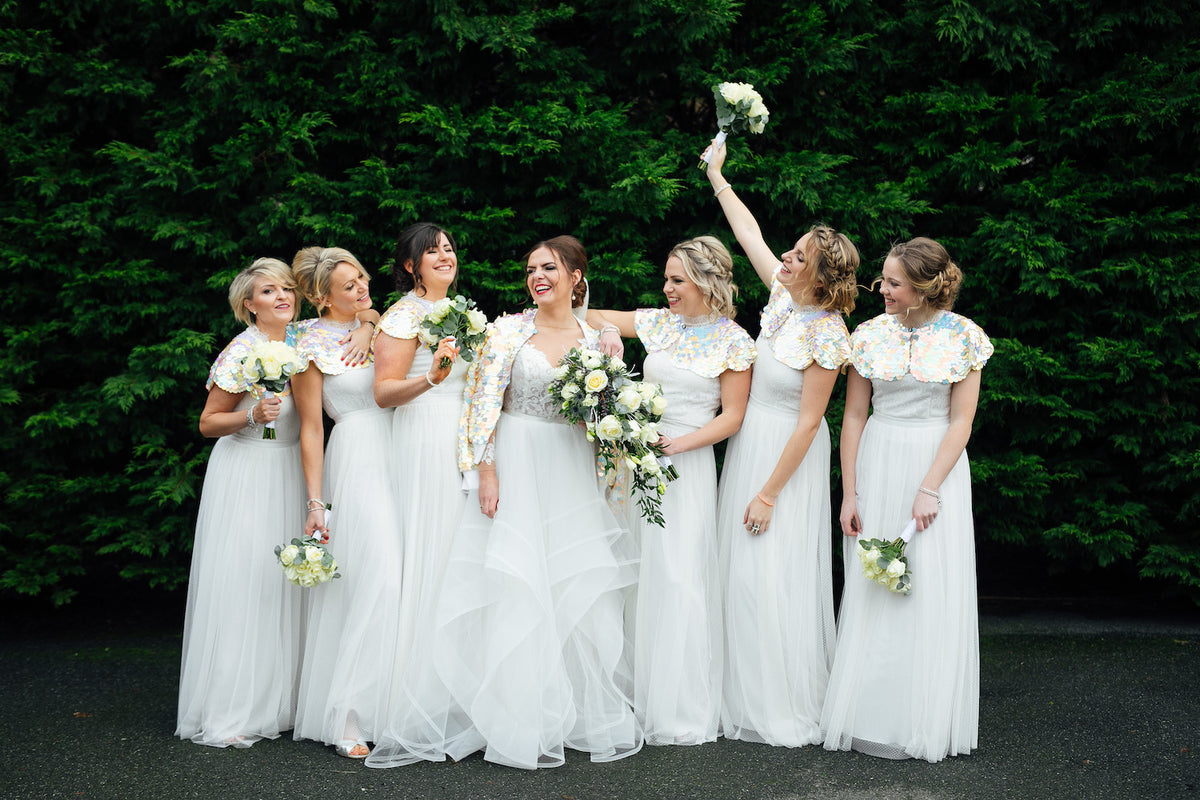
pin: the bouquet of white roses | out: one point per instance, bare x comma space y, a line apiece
459, 319
306, 562
885, 563
622, 415
739, 108
270, 365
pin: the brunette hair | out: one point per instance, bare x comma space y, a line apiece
573, 256
410, 247
928, 267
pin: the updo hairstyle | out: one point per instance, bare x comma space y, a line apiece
414, 241
835, 260
929, 269
241, 288
571, 254
313, 268
708, 264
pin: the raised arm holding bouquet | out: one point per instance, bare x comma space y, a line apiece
739, 108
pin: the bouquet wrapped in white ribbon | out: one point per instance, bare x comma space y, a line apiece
885, 563
739, 108
461, 320
270, 365
622, 416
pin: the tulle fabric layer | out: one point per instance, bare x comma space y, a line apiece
242, 629
677, 628
526, 655
778, 593
905, 681
353, 621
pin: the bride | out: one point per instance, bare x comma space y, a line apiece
526, 656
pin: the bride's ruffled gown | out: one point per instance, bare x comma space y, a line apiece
526, 653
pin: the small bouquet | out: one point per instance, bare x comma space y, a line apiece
739, 108
622, 414
306, 562
459, 319
884, 562
270, 365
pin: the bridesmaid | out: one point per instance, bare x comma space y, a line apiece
702, 360
350, 635
774, 509
525, 656
905, 683
241, 632
428, 402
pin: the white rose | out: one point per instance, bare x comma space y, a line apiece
635, 430
658, 405
609, 428
591, 401
309, 579
649, 434
427, 337
292, 573
562, 371
569, 391
628, 400
313, 555
592, 359
595, 381
288, 554
477, 320
896, 568
616, 362
440, 309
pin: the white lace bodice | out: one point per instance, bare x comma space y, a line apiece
775, 384
527, 391
350, 392
911, 399
692, 400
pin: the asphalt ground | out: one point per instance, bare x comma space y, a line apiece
1072, 706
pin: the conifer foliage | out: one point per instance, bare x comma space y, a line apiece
150, 150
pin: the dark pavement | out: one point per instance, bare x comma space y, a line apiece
1072, 707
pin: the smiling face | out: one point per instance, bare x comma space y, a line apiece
271, 304
549, 282
899, 296
684, 297
438, 268
348, 293
797, 274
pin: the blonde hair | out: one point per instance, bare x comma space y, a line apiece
241, 288
835, 260
313, 268
929, 269
708, 264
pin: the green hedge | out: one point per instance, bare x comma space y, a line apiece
153, 149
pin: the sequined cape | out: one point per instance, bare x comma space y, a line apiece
226, 371
707, 350
944, 350
801, 335
403, 319
323, 347
488, 377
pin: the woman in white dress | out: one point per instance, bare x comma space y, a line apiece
702, 360
241, 632
428, 402
774, 520
905, 683
526, 653
350, 635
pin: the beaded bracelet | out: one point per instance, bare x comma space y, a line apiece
250, 423
429, 380
723, 188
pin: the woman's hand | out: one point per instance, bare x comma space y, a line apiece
267, 410
757, 517
851, 523
314, 526
489, 492
446, 349
715, 162
925, 510
611, 343
669, 448
357, 345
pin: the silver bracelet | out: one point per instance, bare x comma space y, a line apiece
932, 494
723, 188
250, 423
610, 327
429, 380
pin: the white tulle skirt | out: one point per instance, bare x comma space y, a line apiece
905, 682
242, 629
353, 621
778, 587
677, 628
526, 654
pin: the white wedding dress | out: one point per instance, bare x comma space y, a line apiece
525, 655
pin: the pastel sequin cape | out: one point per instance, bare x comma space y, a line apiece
801, 335
488, 377
226, 371
323, 347
707, 350
403, 319
944, 350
